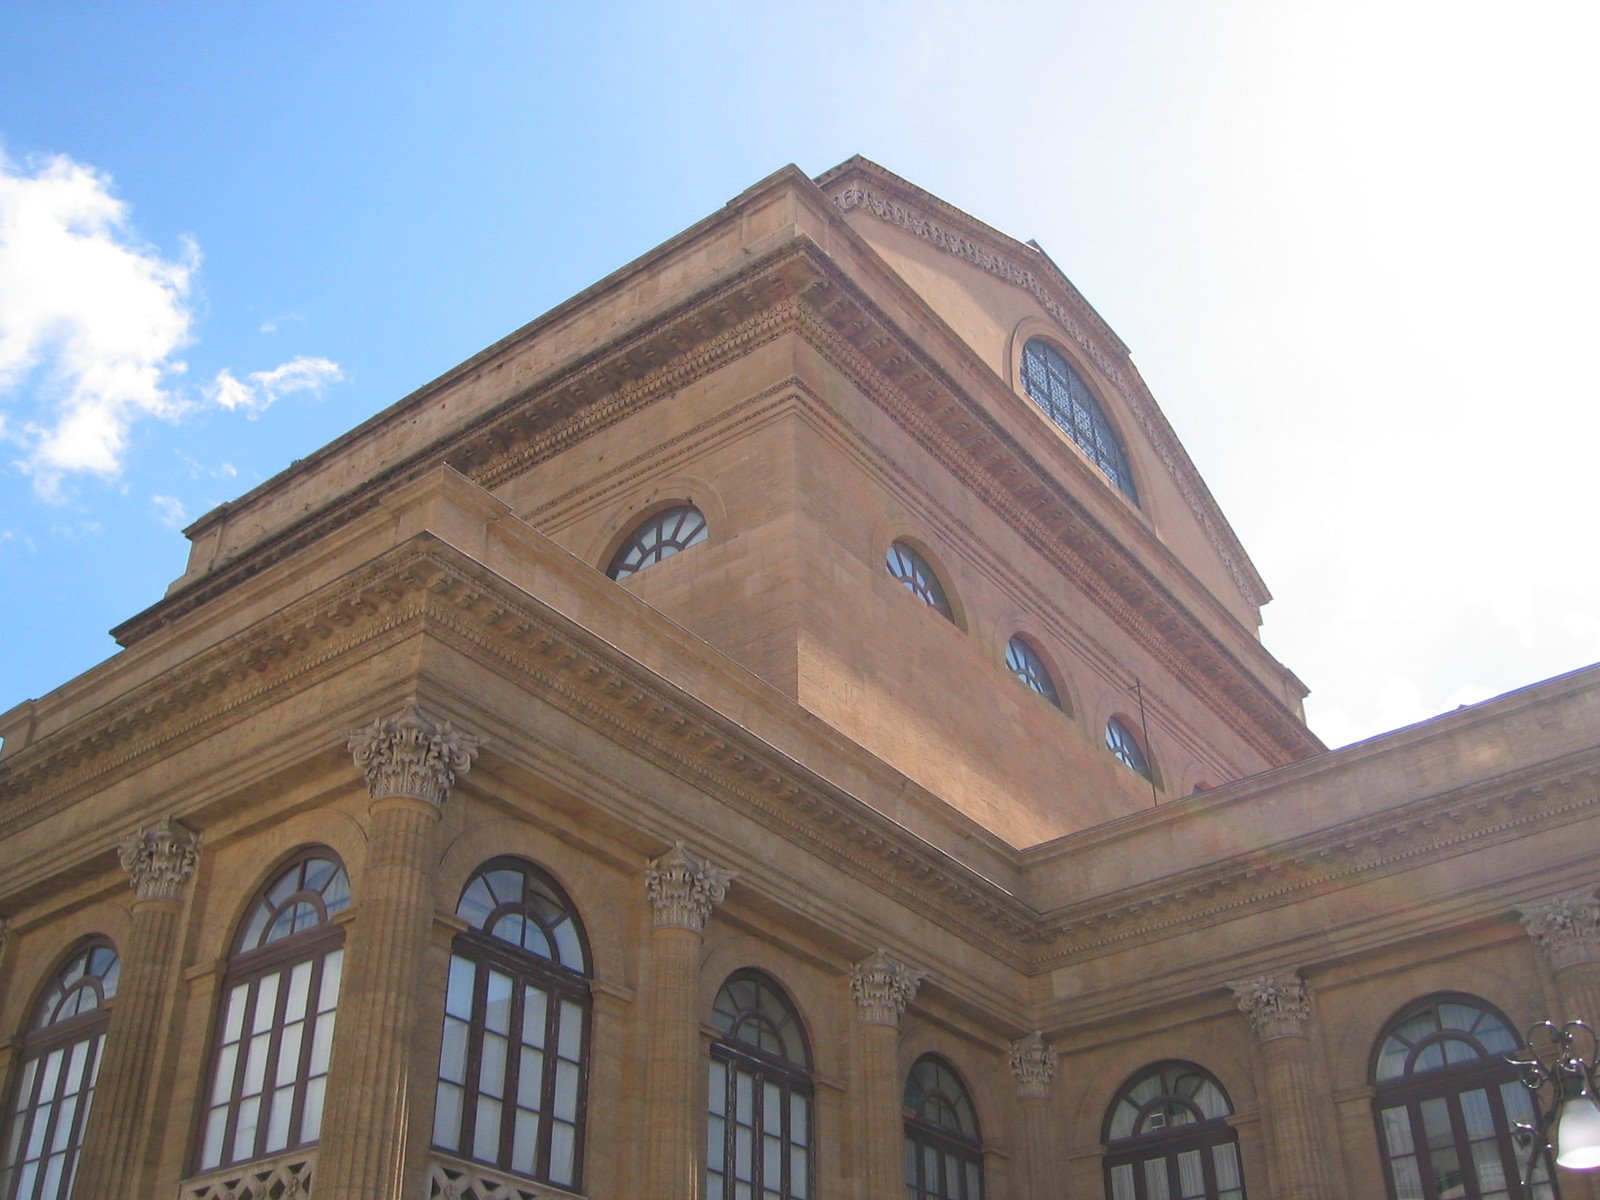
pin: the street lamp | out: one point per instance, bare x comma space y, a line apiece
1564, 1059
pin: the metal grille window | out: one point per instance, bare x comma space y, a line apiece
513, 1061
1121, 742
60, 1056
1446, 1102
943, 1149
269, 1068
759, 1138
911, 569
1024, 662
1054, 386
1167, 1138
659, 537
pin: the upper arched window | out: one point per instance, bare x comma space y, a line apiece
658, 537
514, 1050
1024, 662
944, 1150
911, 569
1446, 1103
60, 1056
758, 1127
1054, 386
1121, 742
269, 1062
1167, 1135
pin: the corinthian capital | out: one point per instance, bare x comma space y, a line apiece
683, 889
1566, 929
410, 754
883, 987
1033, 1062
1277, 1005
160, 860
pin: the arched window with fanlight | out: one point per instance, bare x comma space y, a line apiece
913, 571
657, 537
1120, 740
1023, 661
513, 1060
943, 1147
759, 1137
1447, 1102
1167, 1137
59, 1058
1056, 387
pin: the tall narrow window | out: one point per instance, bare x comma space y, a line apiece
269, 1066
513, 1062
1167, 1138
1446, 1102
1054, 386
658, 537
1025, 663
1121, 742
60, 1056
758, 1132
911, 569
944, 1151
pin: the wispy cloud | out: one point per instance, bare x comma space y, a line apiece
259, 390
170, 510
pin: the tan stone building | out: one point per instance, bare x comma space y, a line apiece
787, 723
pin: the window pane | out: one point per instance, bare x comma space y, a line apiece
1155, 1179
447, 1117
1122, 1182
486, 1130
562, 1143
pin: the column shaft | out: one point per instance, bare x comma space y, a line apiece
1039, 1149
673, 1123
1578, 985
880, 1132
1299, 1153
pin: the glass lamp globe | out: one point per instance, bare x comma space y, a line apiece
1578, 1134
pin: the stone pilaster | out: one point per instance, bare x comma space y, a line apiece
160, 861
683, 889
1566, 931
1033, 1065
883, 987
411, 761
1279, 1010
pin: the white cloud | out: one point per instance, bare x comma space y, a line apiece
171, 511
259, 390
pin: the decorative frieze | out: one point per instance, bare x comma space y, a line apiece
160, 860
1566, 929
410, 754
883, 988
1033, 1063
684, 888
1276, 1005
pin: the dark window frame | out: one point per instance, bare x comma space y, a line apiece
681, 516
1072, 407
921, 1133
910, 568
1128, 750
1031, 670
1203, 1134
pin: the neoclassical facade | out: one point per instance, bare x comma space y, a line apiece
787, 724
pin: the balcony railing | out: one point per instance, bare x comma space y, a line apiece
287, 1177
452, 1179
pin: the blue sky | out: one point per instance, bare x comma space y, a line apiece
1351, 246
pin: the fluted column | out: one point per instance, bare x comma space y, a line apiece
411, 761
160, 861
683, 889
1033, 1064
883, 987
1566, 931
1279, 1011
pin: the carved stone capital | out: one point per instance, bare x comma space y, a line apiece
410, 754
160, 860
883, 987
1033, 1062
1566, 929
1277, 1005
684, 888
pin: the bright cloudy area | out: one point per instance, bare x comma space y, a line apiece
1352, 248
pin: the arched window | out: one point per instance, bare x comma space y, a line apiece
269, 1064
658, 537
911, 569
1024, 662
1121, 742
513, 1059
1167, 1138
60, 1054
758, 1130
1446, 1102
1054, 386
944, 1151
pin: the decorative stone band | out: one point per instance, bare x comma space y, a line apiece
1277, 1005
410, 754
160, 860
1566, 929
1033, 1062
683, 889
883, 987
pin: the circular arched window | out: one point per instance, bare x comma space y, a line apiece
1167, 1135
1024, 662
911, 569
1121, 742
658, 537
1054, 386
944, 1150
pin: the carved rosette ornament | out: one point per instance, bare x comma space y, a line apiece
684, 888
410, 754
1033, 1062
160, 860
1566, 929
883, 988
1277, 1005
